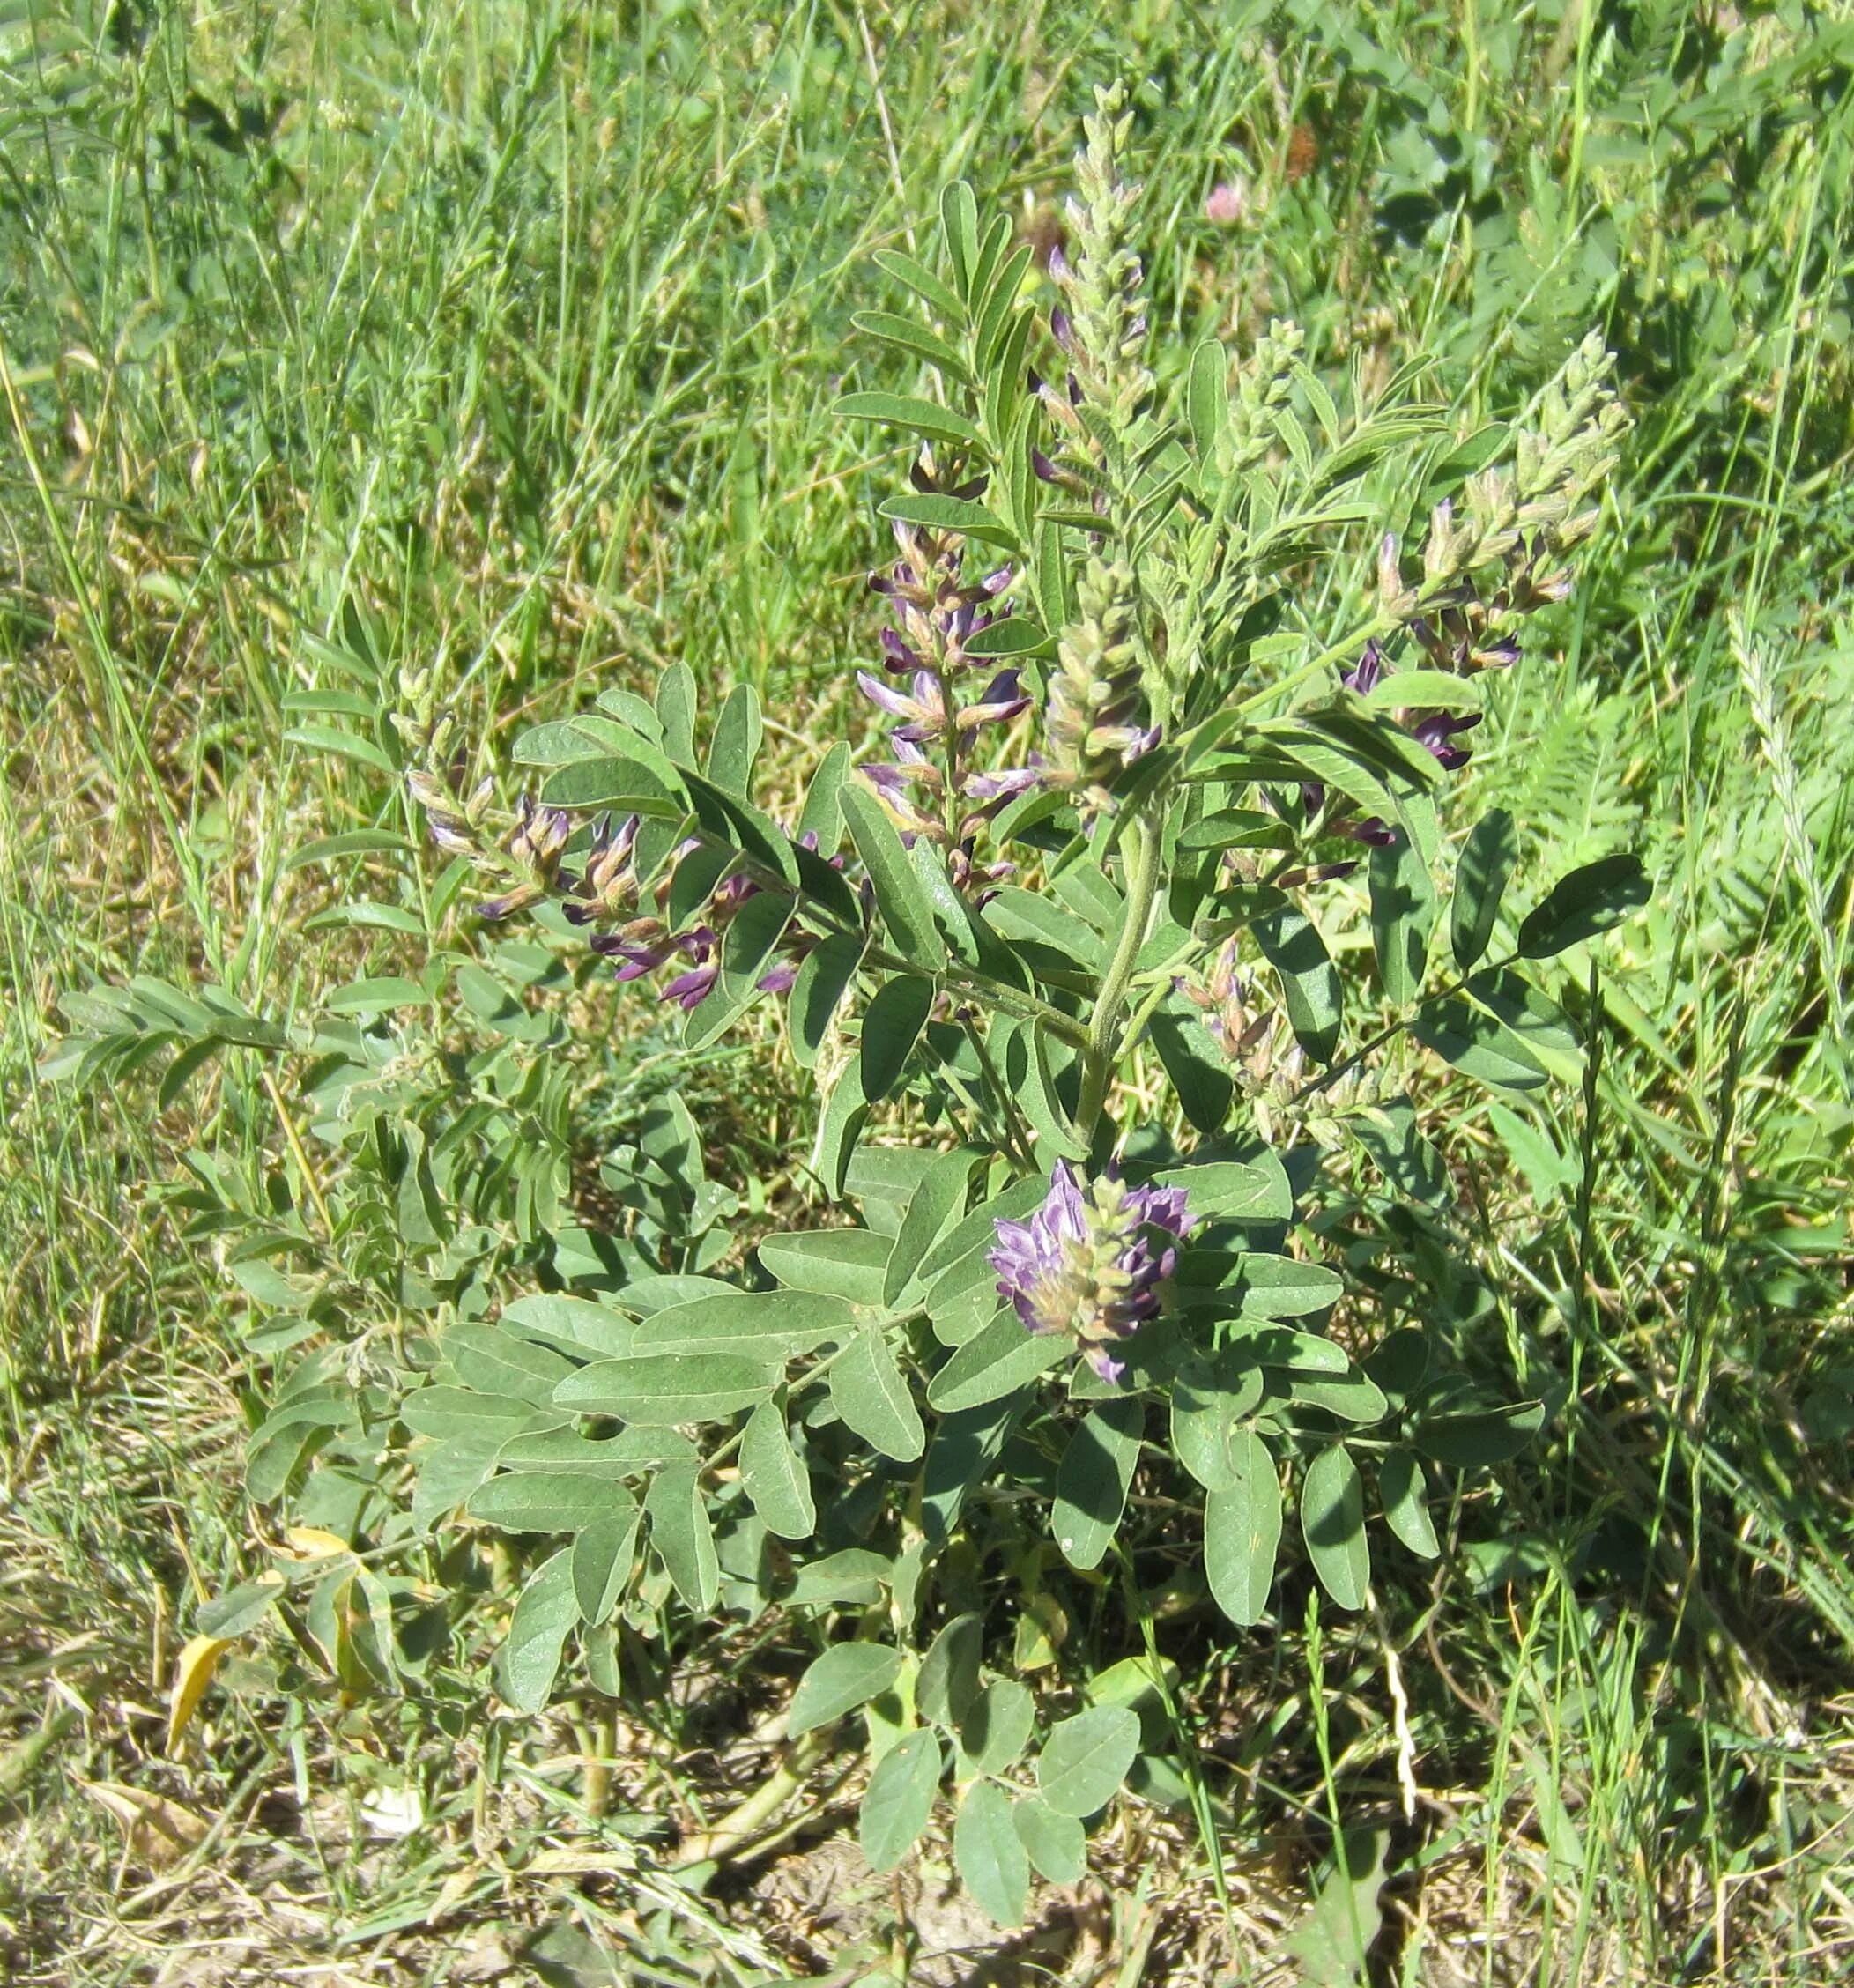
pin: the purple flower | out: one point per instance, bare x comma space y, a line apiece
1085, 1265
1434, 730
1367, 672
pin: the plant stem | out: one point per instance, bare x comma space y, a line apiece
1104, 1044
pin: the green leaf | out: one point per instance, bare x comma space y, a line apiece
1354, 1396
1093, 1479
900, 895
960, 1451
776, 1480
668, 1389
1332, 1520
621, 784
952, 514
842, 1263
1309, 983
1086, 1758
948, 1681
772, 1327
1207, 398
989, 1854
1057, 1844
1481, 1435
1391, 1134
1404, 1497
498, 1363
840, 1125
676, 702
564, 1451
1426, 690
997, 1362
1276, 1286
1481, 877
899, 1802
924, 284
448, 1473
1403, 914
1242, 1531
374, 997
602, 1560
822, 815
868, 1391
1590, 901
1194, 1061
462, 1414
996, 1727
682, 1535
915, 339
735, 741
892, 1024
545, 1502
818, 992
1016, 635
847, 1676
1249, 1190
958, 224
1477, 1045
854, 1577
747, 950
545, 1612
1540, 1024
957, 1260
938, 1198
1333, 1942
994, 319
1236, 828
1210, 1400
240, 1610
905, 410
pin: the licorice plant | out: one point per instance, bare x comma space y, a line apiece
1166, 654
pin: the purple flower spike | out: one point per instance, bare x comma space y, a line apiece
1087, 1265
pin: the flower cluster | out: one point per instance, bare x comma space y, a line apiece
933, 782
607, 891
1096, 689
1091, 1262
642, 944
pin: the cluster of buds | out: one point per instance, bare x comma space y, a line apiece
640, 943
1523, 521
604, 891
1092, 1264
1103, 323
1095, 690
1100, 684
933, 783
457, 823
1221, 999
1263, 385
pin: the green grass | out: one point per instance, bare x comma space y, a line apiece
498, 341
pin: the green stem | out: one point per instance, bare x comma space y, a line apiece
1102, 1049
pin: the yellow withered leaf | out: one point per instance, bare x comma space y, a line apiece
310, 1542
157, 1833
192, 1676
